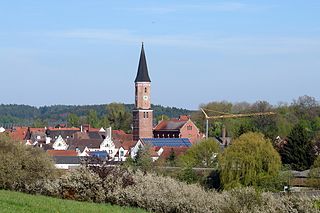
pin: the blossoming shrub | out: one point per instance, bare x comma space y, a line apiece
82, 185
22, 165
165, 194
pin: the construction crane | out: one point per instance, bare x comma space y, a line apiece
225, 115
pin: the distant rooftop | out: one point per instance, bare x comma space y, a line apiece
169, 142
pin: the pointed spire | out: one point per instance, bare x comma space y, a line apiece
142, 75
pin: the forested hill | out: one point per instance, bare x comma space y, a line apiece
13, 114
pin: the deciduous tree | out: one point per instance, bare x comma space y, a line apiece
202, 154
249, 161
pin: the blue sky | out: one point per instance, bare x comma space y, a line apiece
87, 51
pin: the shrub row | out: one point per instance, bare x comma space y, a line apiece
164, 194
27, 169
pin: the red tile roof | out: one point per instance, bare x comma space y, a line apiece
37, 129
18, 133
177, 151
62, 129
62, 153
128, 144
173, 124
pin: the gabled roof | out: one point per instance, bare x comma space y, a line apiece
170, 142
63, 132
18, 133
142, 75
83, 143
96, 135
128, 144
170, 125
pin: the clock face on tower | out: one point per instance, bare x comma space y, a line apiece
145, 97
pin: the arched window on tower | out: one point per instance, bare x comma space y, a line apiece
145, 90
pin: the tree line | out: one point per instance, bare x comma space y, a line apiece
24, 115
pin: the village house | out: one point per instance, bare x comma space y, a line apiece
159, 145
182, 127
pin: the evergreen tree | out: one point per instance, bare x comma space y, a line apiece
298, 152
172, 158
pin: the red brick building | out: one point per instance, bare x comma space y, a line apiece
182, 127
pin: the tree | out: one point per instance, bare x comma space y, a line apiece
202, 154
92, 119
161, 118
298, 151
73, 120
249, 161
314, 174
306, 107
172, 158
38, 123
118, 117
141, 161
21, 165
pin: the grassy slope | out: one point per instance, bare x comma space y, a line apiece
20, 202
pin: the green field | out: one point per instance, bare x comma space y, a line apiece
20, 202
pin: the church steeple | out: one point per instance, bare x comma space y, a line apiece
142, 75
142, 113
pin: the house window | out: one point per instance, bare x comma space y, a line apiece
144, 114
147, 114
121, 153
110, 151
145, 90
189, 127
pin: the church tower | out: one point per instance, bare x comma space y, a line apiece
142, 113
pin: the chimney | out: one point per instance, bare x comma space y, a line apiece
109, 132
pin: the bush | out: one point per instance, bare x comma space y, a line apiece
22, 165
81, 185
165, 194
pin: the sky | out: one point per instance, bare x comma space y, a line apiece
87, 51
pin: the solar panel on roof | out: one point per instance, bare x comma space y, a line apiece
171, 142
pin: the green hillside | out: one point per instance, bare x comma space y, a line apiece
25, 115
20, 202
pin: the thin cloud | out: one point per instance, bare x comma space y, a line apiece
243, 45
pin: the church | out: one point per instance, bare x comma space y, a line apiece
166, 131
